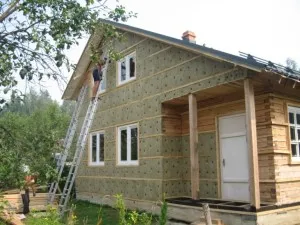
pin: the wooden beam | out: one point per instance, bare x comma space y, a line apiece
252, 143
207, 214
194, 158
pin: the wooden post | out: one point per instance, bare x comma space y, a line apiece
194, 158
252, 143
206, 212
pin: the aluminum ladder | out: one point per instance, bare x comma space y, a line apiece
80, 147
66, 145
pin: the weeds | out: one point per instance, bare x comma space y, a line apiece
124, 216
131, 217
6, 213
51, 217
163, 212
3, 203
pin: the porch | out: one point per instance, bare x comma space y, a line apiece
198, 116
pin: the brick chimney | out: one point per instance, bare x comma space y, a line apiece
189, 36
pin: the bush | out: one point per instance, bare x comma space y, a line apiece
132, 217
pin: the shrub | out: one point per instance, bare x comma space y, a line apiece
131, 217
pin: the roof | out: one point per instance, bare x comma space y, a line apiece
273, 67
245, 60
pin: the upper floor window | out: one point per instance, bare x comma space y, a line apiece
294, 121
96, 150
103, 75
103, 82
126, 68
128, 145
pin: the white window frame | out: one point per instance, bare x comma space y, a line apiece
128, 78
103, 81
295, 111
128, 162
98, 162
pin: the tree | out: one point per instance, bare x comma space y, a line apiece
30, 137
35, 34
290, 63
68, 107
30, 103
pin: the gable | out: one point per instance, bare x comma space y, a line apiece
246, 61
156, 55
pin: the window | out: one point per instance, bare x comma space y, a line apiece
294, 121
126, 69
128, 145
103, 82
96, 148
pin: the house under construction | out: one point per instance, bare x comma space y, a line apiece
193, 123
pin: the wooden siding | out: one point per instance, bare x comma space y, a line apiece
207, 124
287, 172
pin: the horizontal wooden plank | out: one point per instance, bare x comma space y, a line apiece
38, 202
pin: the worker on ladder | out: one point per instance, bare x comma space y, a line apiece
97, 76
97, 73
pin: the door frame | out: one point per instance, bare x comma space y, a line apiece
219, 154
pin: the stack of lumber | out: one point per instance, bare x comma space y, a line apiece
15, 204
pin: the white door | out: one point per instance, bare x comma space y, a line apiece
234, 158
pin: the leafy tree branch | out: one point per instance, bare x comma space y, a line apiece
35, 35
11, 9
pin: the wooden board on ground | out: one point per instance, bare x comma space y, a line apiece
37, 203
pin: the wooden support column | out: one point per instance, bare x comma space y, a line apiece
252, 143
194, 156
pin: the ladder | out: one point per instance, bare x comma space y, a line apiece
80, 147
66, 145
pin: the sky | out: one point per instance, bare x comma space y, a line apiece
268, 29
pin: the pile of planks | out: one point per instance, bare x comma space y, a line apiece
15, 204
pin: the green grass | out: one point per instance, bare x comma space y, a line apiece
86, 213
85, 210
